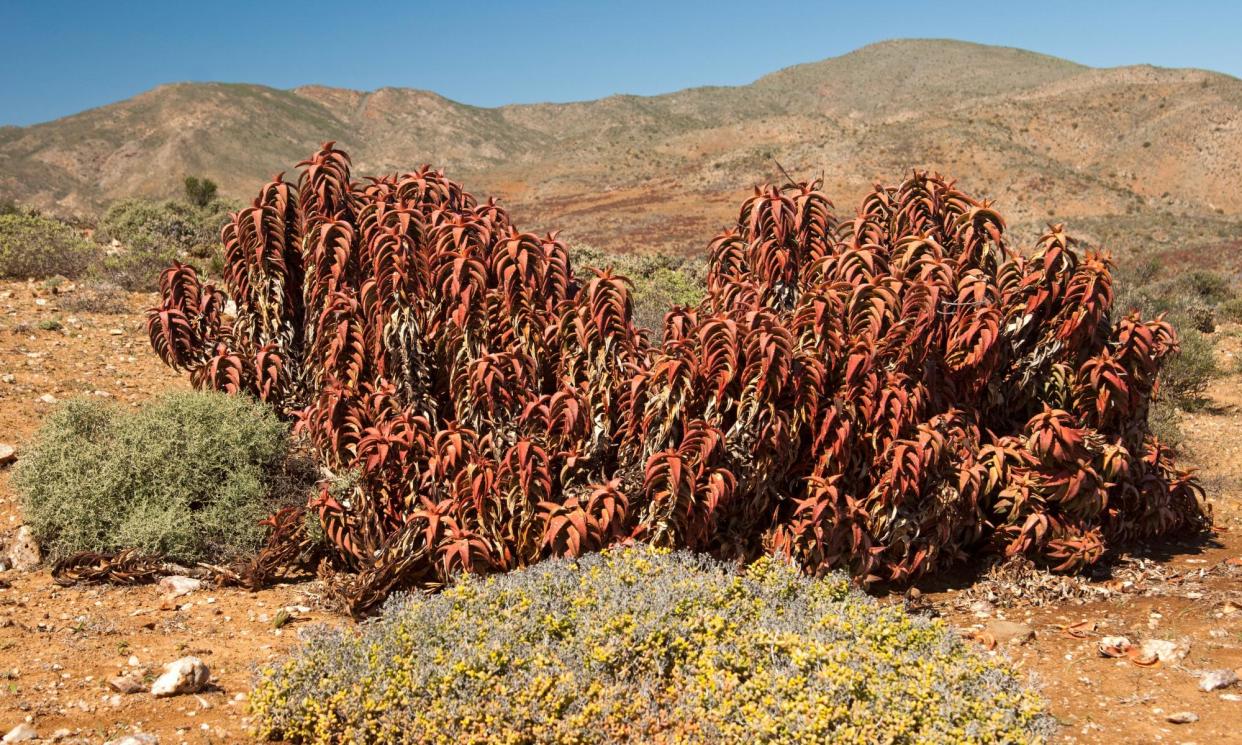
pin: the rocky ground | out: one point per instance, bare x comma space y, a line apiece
1123, 657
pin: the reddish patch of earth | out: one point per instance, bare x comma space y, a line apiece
58, 646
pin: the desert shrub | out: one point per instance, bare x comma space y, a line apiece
1187, 373
1190, 302
887, 394
660, 281
199, 191
1209, 287
189, 475
639, 645
1187, 300
1165, 421
181, 228
95, 296
37, 247
130, 268
1231, 310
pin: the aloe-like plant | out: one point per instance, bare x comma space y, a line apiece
888, 393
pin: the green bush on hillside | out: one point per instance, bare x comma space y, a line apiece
153, 234
179, 226
199, 191
642, 645
189, 475
137, 267
660, 281
37, 247
1192, 302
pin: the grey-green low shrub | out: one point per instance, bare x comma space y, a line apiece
180, 226
32, 246
189, 475
1186, 375
642, 645
152, 234
660, 281
138, 265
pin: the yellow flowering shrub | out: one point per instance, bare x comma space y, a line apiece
643, 645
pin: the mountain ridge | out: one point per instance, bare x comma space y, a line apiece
1047, 137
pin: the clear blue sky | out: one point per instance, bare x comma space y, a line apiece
57, 58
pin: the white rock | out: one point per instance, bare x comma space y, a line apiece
1164, 650
176, 586
116, 332
140, 738
8, 454
9, 378
24, 552
1182, 717
63, 733
186, 675
21, 733
1114, 646
1214, 679
48, 398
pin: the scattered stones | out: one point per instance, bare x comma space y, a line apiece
62, 734
21, 733
138, 738
1010, 632
186, 675
126, 683
1182, 717
175, 586
1213, 680
8, 454
23, 553
1114, 646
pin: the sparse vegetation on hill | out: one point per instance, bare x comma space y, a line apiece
887, 394
638, 645
189, 476
1038, 134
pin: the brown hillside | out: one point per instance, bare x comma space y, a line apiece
626, 171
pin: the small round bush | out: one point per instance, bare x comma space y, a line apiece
153, 234
37, 247
641, 645
182, 227
189, 475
